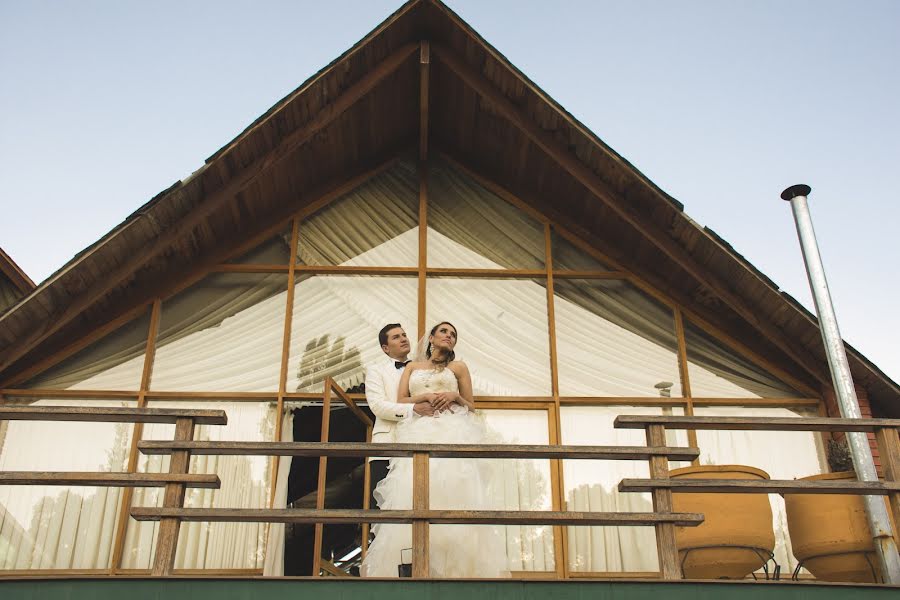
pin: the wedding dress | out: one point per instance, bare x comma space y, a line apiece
455, 483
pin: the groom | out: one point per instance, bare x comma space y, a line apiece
382, 381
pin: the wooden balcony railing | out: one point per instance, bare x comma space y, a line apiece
656, 452
420, 516
886, 435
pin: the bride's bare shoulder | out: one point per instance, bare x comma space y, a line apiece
418, 364
458, 367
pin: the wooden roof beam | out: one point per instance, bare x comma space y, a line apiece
424, 70
15, 273
216, 201
655, 234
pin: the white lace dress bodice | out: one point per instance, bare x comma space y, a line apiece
455, 550
423, 381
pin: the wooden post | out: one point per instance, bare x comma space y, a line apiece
423, 246
666, 547
560, 534
420, 567
320, 489
137, 432
424, 70
167, 538
424, 60
685, 378
889, 450
367, 492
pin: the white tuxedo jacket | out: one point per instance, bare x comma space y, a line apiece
382, 381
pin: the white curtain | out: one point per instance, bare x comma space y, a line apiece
55, 527
593, 486
245, 484
718, 372
523, 485
273, 565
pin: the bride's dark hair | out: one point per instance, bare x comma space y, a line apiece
450, 355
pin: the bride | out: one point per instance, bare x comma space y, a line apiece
455, 483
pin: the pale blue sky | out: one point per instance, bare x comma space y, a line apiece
722, 104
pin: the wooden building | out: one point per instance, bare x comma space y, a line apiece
418, 177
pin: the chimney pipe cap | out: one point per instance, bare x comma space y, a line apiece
795, 190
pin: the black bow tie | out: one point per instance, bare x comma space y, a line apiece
399, 364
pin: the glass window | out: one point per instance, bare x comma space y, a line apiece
223, 334
246, 483
470, 227
336, 320
523, 485
569, 257
800, 453
61, 527
592, 485
114, 362
503, 332
613, 340
718, 372
377, 224
274, 251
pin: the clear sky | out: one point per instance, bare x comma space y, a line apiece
722, 104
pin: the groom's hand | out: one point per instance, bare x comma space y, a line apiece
423, 409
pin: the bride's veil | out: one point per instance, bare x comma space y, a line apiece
421, 348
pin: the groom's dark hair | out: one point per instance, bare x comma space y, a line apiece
382, 335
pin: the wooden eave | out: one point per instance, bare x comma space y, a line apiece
15, 275
362, 110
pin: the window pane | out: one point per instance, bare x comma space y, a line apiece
523, 485
613, 340
569, 257
274, 251
470, 227
593, 485
377, 224
61, 527
718, 372
246, 483
800, 453
336, 320
114, 362
223, 334
503, 332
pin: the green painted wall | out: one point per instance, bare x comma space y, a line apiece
330, 589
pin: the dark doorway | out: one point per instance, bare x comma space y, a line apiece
344, 489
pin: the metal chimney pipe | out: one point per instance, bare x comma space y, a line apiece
879, 522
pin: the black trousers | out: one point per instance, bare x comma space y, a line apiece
377, 471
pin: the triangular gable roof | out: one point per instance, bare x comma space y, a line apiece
345, 122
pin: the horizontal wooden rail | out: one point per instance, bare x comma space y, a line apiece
111, 414
454, 517
760, 486
346, 449
210, 482
755, 423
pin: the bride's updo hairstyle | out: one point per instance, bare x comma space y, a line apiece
450, 355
